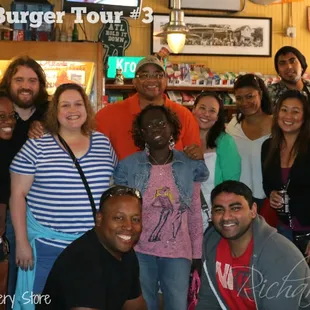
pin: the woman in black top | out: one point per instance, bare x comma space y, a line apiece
285, 164
7, 124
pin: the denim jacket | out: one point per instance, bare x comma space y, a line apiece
134, 171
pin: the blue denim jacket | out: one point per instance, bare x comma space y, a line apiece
134, 171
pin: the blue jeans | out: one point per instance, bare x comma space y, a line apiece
46, 256
285, 231
173, 276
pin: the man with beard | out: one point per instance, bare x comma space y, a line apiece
247, 264
290, 64
25, 82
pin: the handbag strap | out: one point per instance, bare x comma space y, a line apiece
204, 205
76, 162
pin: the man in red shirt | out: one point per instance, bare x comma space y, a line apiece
115, 120
247, 264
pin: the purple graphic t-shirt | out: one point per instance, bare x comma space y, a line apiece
170, 228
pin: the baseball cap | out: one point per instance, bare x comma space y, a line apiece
149, 60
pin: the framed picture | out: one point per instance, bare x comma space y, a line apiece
221, 5
220, 35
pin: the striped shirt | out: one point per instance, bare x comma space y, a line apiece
57, 197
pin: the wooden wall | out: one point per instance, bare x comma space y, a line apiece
140, 34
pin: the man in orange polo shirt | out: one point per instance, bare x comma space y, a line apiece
115, 120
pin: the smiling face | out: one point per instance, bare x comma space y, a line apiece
232, 216
156, 130
291, 116
119, 224
248, 100
289, 68
24, 88
152, 86
71, 110
7, 118
206, 112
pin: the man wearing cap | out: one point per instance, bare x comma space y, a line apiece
115, 120
290, 64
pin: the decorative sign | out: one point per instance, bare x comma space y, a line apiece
115, 38
127, 64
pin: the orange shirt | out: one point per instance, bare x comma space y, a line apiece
115, 121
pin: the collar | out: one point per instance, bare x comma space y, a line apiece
177, 157
134, 106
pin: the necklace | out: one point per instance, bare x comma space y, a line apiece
156, 162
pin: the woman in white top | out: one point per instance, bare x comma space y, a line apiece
219, 148
250, 128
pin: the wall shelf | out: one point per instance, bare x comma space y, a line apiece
173, 88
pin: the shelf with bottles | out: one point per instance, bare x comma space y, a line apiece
129, 86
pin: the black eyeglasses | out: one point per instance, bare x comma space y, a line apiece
120, 190
5, 117
148, 76
155, 124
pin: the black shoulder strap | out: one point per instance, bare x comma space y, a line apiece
204, 205
90, 196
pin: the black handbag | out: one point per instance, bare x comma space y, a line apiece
76, 162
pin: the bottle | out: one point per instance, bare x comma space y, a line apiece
7, 33
63, 34
69, 34
56, 33
75, 33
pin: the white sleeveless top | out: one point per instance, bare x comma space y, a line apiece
250, 152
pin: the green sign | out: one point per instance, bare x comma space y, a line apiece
127, 64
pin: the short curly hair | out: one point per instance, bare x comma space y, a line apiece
51, 121
172, 119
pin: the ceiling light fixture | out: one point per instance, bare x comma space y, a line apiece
176, 30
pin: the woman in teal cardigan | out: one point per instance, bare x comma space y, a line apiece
220, 151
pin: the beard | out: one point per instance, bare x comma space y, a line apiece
292, 81
24, 104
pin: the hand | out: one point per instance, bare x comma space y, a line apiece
194, 151
307, 252
275, 200
197, 264
24, 256
36, 130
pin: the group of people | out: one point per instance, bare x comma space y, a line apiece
175, 173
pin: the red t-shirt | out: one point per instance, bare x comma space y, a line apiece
233, 276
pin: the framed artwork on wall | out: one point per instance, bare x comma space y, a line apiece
219, 35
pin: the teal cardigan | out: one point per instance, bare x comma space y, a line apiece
228, 160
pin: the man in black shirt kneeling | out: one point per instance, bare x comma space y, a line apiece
100, 271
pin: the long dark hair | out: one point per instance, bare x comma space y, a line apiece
26, 61
172, 118
252, 80
219, 126
277, 137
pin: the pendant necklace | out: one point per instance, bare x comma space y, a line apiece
156, 162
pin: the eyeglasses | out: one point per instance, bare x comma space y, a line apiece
119, 190
155, 124
148, 76
248, 97
5, 117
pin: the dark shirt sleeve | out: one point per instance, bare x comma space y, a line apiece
135, 291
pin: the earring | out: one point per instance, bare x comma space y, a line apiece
147, 149
171, 143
